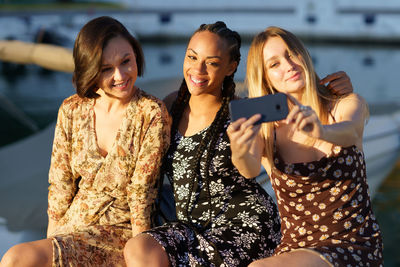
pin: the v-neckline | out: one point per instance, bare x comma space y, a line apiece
94, 133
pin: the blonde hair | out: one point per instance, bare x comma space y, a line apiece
314, 95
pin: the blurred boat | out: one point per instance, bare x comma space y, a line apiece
363, 20
333, 20
16, 51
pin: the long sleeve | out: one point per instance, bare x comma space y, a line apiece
62, 185
142, 191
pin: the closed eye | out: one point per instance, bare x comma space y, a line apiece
274, 65
126, 61
105, 69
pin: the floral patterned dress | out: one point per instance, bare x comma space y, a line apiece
97, 199
244, 220
325, 207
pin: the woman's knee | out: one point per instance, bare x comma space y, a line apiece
10, 258
256, 264
143, 248
37, 253
141, 245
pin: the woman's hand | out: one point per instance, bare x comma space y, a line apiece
339, 83
241, 135
246, 145
305, 119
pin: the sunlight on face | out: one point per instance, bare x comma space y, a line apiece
207, 63
119, 70
283, 70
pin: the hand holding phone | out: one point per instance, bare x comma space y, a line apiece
271, 107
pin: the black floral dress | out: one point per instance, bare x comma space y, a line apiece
243, 223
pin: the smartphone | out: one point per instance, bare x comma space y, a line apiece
271, 107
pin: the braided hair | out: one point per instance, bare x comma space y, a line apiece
213, 133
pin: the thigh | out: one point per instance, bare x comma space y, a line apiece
35, 253
143, 243
96, 246
296, 258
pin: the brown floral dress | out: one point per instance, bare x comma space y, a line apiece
325, 207
97, 199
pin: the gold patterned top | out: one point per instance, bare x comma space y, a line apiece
119, 189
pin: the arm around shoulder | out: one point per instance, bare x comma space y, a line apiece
350, 114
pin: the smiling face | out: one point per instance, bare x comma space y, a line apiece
206, 64
118, 69
284, 71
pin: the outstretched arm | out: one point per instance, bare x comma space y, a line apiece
246, 145
350, 115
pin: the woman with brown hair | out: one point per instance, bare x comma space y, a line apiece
314, 159
109, 142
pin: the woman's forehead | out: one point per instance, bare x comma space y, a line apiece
208, 43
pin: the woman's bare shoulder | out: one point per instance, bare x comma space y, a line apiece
352, 97
351, 105
351, 100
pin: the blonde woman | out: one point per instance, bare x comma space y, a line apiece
314, 159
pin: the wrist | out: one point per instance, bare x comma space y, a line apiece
324, 133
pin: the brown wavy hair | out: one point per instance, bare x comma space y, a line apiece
88, 52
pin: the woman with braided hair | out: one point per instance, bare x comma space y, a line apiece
223, 219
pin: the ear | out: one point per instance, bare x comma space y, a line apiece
232, 67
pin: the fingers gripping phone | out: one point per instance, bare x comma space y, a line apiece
271, 107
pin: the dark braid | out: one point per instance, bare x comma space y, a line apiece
176, 111
215, 130
212, 134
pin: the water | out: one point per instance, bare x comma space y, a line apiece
37, 93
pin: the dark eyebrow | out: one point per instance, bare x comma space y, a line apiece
207, 57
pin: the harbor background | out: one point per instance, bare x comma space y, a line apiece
367, 49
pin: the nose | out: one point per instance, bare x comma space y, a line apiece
290, 64
200, 66
118, 74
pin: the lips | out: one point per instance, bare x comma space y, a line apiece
294, 77
121, 85
197, 81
